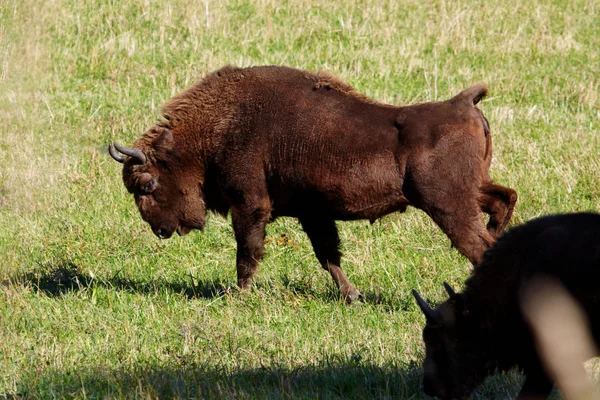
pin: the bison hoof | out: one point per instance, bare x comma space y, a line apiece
492, 230
244, 284
352, 295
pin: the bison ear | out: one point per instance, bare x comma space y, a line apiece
164, 141
472, 95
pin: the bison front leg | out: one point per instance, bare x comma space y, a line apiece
499, 202
537, 385
249, 224
325, 240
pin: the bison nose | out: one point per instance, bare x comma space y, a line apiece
428, 390
432, 388
163, 233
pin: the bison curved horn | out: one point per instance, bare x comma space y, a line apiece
135, 154
430, 314
449, 290
118, 157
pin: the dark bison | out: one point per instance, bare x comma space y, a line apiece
272, 141
483, 329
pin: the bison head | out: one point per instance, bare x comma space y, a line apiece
454, 364
166, 189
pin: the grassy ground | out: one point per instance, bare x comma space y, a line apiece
92, 305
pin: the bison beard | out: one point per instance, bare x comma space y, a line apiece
484, 329
272, 141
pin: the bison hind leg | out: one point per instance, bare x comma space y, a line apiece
464, 227
325, 240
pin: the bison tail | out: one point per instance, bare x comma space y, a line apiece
472, 95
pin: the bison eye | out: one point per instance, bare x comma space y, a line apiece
149, 186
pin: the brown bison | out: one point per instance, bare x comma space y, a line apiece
483, 329
273, 141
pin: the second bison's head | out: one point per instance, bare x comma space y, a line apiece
454, 360
166, 189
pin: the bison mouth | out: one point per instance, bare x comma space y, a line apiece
183, 230
167, 232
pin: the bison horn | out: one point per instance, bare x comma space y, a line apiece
430, 314
449, 290
135, 154
118, 157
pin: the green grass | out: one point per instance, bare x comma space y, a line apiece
92, 305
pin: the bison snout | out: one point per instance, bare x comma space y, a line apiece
163, 233
431, 391
432, 386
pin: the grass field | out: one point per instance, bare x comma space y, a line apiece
92, 305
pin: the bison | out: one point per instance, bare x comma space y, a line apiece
272, 141
483, 329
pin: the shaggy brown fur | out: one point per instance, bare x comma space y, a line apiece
482, 329
266, 142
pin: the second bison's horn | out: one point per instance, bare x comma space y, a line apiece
430, 314
135, 154
449, 290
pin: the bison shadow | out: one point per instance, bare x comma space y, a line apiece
60, 278
330, 379
347, 380
63, 277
